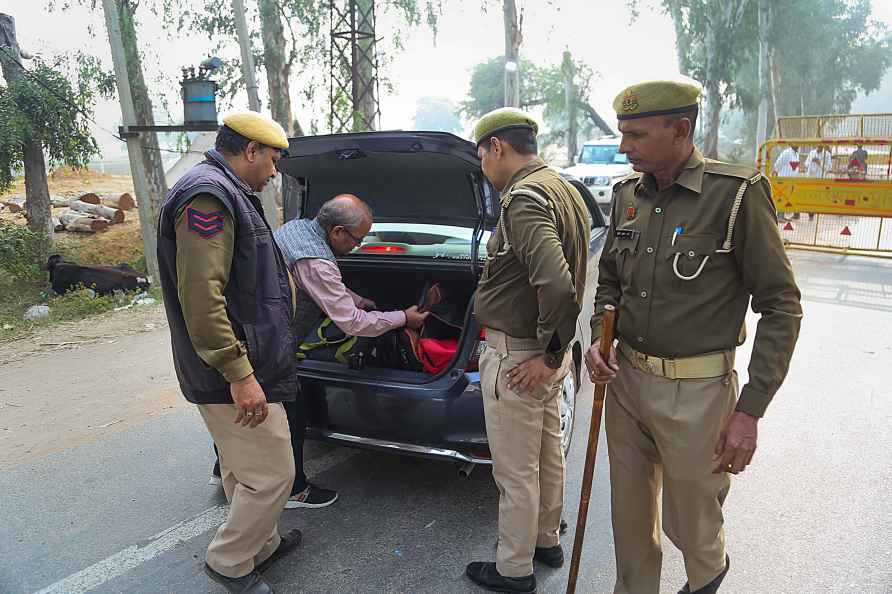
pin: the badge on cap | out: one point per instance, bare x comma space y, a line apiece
630, 100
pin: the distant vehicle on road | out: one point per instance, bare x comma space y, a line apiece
599, 166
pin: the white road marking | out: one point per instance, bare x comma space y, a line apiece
138, 554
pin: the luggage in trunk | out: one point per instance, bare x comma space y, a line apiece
399, 285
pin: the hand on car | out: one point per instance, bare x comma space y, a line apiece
599, 370
737, 443
414, 318
529, 375
250, 401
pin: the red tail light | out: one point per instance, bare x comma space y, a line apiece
383, 249
476, 351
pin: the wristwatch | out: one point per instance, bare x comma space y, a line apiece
553, 361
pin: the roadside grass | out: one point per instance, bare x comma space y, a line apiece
73, 305
24, 282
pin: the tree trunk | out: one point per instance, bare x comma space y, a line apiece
713, 93
278, 67
513, 39
76, 221
142, 105
39, 211
764, 73
571, 106
364, 75
112, 214
120, 201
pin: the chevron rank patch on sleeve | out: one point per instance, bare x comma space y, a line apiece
205, 224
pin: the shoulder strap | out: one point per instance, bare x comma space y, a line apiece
728, 245
529, 192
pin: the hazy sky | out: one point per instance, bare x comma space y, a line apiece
596, 31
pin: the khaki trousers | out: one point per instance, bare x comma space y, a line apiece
524, 433
662, 433
257, 468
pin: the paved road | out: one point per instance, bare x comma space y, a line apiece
132, 512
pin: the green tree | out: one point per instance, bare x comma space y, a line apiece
540, 87
142, 100
838, 51
438, 115
44, 113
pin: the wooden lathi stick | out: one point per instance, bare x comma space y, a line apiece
607, 322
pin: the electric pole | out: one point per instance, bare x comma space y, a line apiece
134, 144
268, 195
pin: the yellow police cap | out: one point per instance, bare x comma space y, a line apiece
504, 118
255, 126
656, 97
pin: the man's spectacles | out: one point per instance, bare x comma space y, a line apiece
357, 241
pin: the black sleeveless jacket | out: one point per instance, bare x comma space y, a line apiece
258, 294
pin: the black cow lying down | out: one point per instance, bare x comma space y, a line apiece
65, 276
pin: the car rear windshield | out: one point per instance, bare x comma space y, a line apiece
414, 239
602, 154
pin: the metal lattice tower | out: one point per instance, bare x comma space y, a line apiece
353, 93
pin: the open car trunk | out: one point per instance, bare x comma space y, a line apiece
396, 284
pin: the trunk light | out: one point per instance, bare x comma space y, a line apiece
383, 249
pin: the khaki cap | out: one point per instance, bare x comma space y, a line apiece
657, 97
504, 118
255, 126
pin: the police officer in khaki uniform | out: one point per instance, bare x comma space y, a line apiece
528, 299
230, 304
692, 242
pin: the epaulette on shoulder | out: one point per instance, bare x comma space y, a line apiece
529, 190
733, 170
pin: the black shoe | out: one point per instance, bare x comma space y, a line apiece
550, 556
289, 542
253, 583
215, 479
713, 586
487, 577
312, 497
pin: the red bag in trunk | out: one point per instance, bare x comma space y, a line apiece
436, 354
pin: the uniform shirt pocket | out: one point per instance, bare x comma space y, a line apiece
690, 259
623, 251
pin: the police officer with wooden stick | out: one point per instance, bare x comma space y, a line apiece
230, 304
692, 242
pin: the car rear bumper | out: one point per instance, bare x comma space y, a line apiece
441, 419
395, 446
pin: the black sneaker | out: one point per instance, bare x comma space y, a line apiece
550, 556
312, 497
216, 480
713, 586
487, 577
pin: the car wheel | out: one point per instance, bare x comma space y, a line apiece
568, 408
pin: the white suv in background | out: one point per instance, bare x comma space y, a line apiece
599, 166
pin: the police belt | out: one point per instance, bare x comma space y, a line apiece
697, 367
